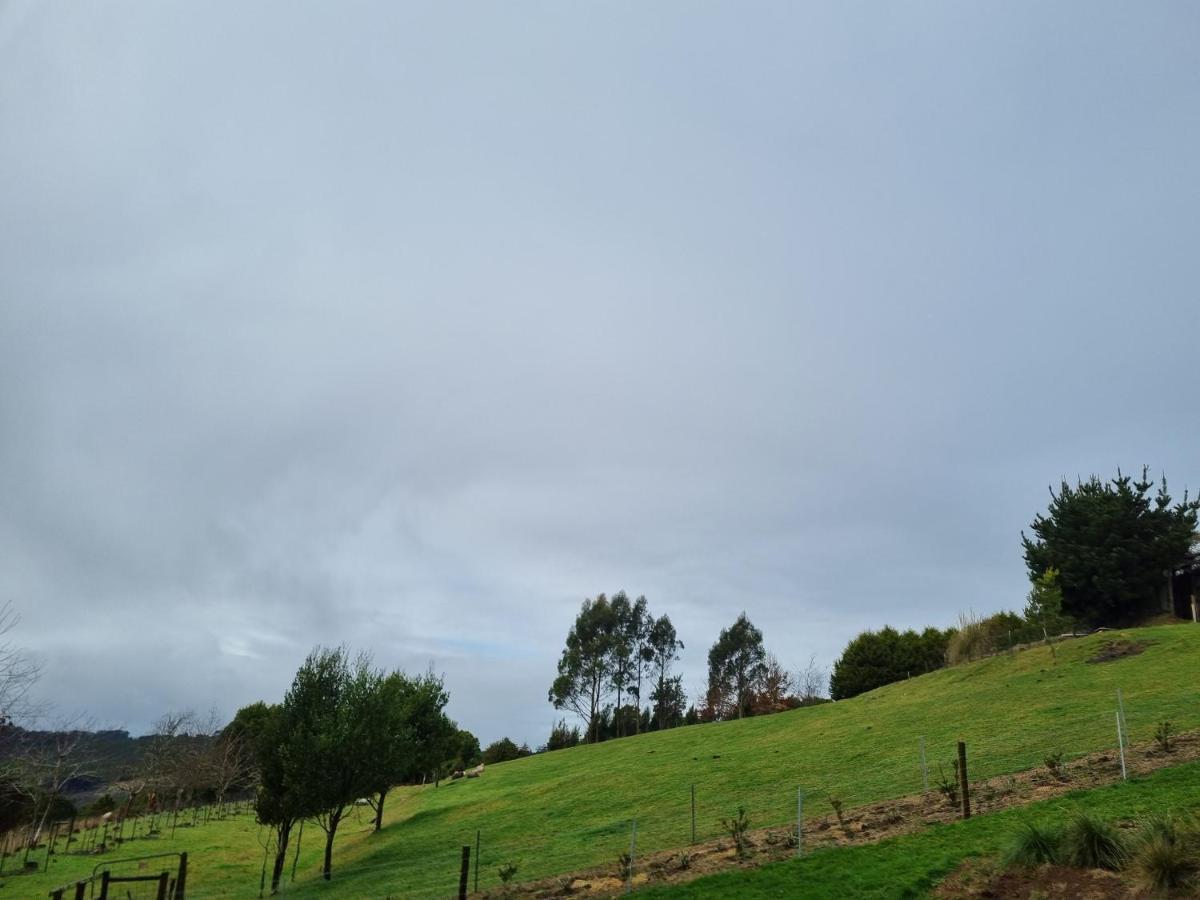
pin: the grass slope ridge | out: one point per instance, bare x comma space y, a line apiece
571, 809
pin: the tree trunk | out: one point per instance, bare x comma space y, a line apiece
327, 871
280, 856
379, 810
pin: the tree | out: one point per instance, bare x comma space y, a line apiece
622, 651
775, 689
812, 683
639, 625
328, 760
278, 805
1043, 605
585, 667
1111, 543
664, 646
669, 701
562, 737
407, 734
736, 665
504, 750
876, 658
462, 752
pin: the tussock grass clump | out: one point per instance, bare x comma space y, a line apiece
1091, 843
1035, 845
1167, 855
971, 639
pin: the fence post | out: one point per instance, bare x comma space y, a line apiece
464, 870
632, 851
693, 813
181, 880
1121, 746
162, 886
962, 777
477, 860
1121, 709
80, 890
924, 768
799, 822
104, 876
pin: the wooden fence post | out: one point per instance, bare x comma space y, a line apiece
181, 879
464, 871
962, 779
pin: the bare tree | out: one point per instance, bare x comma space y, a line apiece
227, 760
812, 682
49, 762
17, 673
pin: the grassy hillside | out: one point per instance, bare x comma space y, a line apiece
572, 809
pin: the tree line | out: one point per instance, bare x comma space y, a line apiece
618, 652
346, 730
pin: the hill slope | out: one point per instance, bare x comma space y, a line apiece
572, 809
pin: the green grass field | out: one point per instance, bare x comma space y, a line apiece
572, 809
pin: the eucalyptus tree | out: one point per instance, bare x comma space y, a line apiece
663, 646
585, 668
736, 666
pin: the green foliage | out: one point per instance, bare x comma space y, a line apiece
1166, 855
1044, 614
1054, 765
948, 787
1110, 543
837, 811
738, 829
1035, 845
503, 750
876, 658
1162, 736
562, 737
611, 648
462, 751
1090, 842
736, 666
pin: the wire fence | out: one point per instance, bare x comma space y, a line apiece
868, 785
863, 779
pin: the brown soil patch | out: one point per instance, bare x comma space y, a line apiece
982, 878
1118, 649
865, 824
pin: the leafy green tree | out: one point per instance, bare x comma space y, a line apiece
462, 752
407, 732
875, 658
670, 702
562, 737
585, 668
278, 805
736, 666
501, 751
1111, 543
328, 757
1043, 605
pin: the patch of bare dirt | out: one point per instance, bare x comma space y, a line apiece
1118, 649
984, 879
867, 824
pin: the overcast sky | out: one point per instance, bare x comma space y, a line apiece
411, 326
